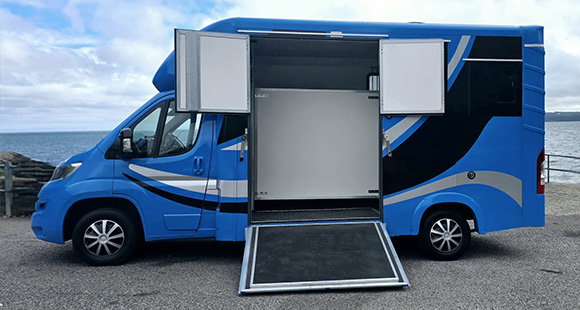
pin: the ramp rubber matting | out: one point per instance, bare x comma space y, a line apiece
293, 257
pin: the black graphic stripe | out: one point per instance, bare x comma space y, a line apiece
233, 126
234, 207
444, 139
497, 47
188, 201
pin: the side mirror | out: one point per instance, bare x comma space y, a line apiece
126, 137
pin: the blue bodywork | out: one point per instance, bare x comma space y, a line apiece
503, 157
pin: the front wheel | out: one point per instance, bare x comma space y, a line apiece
104, 237
444, 235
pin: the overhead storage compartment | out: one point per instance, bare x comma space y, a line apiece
313, 63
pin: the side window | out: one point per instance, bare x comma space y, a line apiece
495, 88
180, 131
144, 134
165, 132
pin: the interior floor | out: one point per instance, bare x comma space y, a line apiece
310, 215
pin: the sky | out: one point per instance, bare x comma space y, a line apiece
68, 65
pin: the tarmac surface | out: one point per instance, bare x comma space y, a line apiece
525, 268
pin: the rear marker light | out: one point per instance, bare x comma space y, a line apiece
541, 172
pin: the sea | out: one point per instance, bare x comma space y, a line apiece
562, 138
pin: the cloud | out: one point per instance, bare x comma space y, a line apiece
559, 17
91, 71
96, 67
55, 80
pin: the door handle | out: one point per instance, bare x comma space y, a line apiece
243, 144
387, 142
198, 165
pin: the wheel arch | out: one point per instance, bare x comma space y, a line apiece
82, 207
455, 202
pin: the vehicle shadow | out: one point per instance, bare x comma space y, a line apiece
167, 253
480, 247
484, 247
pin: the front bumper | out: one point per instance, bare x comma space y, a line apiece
47, 219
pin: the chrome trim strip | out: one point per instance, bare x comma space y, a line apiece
457, 56
333, 34
399, 280
534, 45
395, 255
244, 276
323, 287
382, 237
325, 284
255, 251
492, 60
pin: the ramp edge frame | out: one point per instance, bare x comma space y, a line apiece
399, 281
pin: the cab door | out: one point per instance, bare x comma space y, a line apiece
168, 173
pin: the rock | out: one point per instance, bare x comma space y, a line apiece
28, 178
12, 157
17, 158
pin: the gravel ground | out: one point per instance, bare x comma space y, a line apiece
516, 269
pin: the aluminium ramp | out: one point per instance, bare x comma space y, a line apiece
316, 256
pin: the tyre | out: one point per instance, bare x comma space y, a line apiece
104, 237
444, 235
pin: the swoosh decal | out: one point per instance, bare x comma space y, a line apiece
457, 55
401, 127
188, 201
405, 124
159, 175
504, 182
227, 188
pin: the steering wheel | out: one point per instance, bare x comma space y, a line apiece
170, 144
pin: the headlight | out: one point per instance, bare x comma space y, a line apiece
63, 172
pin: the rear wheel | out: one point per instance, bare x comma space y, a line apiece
104, 237
444, 235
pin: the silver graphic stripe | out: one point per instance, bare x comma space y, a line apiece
401, 127
457, 56
504, 182
234, 147
224, 188
159, 175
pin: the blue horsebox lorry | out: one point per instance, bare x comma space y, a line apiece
313, 142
